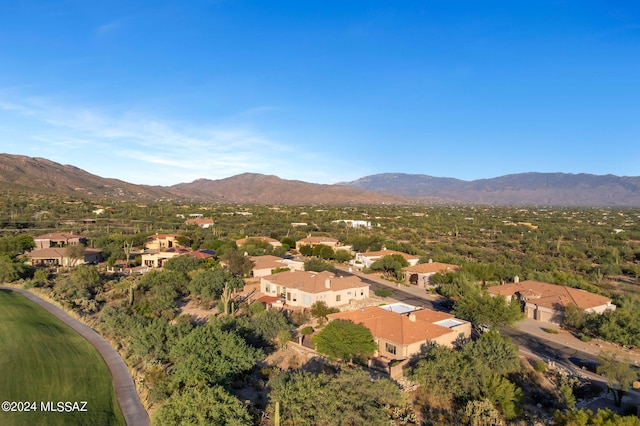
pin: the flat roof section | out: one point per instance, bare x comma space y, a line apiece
399, 308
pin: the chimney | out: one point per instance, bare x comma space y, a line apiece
430, 260
412, 317
516, 279
327, 282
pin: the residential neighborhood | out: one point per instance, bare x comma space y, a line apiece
313, 281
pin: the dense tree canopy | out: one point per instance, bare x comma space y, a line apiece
390, 265
202, 406
347, 398
346, 341
209, 356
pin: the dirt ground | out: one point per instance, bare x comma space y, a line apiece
200, 314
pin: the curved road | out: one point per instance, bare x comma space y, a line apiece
132, 409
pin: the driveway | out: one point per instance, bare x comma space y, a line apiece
132, 409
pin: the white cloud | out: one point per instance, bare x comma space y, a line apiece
129, 145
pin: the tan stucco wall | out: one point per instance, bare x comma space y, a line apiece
328, 297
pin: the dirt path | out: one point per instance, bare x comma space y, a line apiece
132, 409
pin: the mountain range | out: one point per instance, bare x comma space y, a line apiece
21, 173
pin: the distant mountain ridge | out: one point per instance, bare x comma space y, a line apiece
22, 173
547, 189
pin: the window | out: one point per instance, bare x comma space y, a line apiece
338, 297
390, 348
267, 288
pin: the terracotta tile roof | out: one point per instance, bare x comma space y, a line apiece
383, 253
47, 253
58, 236
314, 282
551, 295
267, 261
318, 240
202, 254
434, 267
398, 328
243, 241
57, 253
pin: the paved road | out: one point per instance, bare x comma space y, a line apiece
564, 348
132, 409
411, 295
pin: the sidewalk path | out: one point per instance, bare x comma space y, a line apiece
132, 409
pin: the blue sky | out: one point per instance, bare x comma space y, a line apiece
163, 92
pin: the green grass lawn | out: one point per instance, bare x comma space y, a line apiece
42, 359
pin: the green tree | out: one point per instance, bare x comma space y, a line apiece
391, 266
320, 310
620, 375
574, 316
586, 417
75, 253
494, 351
346, 341
348, 398
342, 256
503, 394
318, 265
481, 413
208, 356
183, 264
209, 284
269, 324
237, 263
483, 308
200, 406
323, 251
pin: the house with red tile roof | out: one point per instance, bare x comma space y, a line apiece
156, 258
265, 265
367, 258
301, 288
547, 302
402, 333
421, 274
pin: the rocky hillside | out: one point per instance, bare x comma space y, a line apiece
254, 188
21, 173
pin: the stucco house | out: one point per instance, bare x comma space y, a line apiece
57, 256
162, 241
314, 241
301, 288
421, 274
156, 258
265, 265
402, 330
546, 302
58, 239
366, 259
